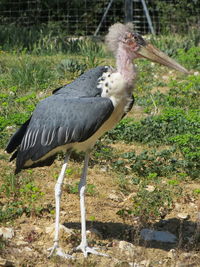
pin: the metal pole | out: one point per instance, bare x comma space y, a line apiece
128, 10
148, 16
104, 15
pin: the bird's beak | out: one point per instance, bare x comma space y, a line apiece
152, 53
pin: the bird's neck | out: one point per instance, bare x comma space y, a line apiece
125, 65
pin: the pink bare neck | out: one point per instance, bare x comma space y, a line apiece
125, 64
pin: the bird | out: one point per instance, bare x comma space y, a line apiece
76, 115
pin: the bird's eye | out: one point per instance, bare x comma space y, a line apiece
138, 39
135, 37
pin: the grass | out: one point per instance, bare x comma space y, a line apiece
154, 157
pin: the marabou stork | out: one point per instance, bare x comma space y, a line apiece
77, 114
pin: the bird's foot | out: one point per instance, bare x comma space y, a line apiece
56, 250
87, 250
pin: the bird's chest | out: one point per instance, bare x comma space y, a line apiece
116, 88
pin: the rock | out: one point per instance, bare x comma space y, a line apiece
104, 168
171, 254
183, 264
63, 230
183, 216
10, 128
187, 255
150, 188
113, 244
94, 234
113, 196
133, 264
21, 243
127, 248
177, 206
27, 249
6, 233
165, 77
5, 262
145, 263
160, 236
129, 197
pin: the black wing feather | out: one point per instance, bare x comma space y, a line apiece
59, 121
16, 139
84, 85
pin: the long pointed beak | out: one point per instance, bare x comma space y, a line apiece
152, 53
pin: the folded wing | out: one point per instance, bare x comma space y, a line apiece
57, 121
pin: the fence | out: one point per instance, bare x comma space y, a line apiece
83, 17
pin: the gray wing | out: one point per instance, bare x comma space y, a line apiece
57, 121
85, 85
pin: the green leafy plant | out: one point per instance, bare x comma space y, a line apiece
190, 58
152, 204
74, 189
72, 66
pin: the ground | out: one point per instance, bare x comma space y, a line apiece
33, 234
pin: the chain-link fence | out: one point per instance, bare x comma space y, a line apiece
85, 17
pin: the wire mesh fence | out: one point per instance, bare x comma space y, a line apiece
83, 17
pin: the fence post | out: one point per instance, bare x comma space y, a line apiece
104, 15
128, 10
148, 16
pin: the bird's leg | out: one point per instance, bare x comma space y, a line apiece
82, 186
58, 193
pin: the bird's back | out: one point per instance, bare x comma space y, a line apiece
85, 85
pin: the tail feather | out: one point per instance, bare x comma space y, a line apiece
16, 139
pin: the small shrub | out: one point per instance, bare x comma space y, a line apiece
72, 66
190, 58
152, 204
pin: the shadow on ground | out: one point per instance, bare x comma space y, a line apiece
187, 233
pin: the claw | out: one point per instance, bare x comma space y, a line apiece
59, 252
87, 250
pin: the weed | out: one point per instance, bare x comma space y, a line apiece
171, 43
9, 187
191, 58
196, 191
149, 205
125, 183
30, 73
30, 192
11, 211
2, 243
153, 200
67, 66
189, 145
90, 48
74, 189
173, 182
24, 195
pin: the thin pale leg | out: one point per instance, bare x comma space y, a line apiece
58, 193
82, 185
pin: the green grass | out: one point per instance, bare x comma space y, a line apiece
20, 195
